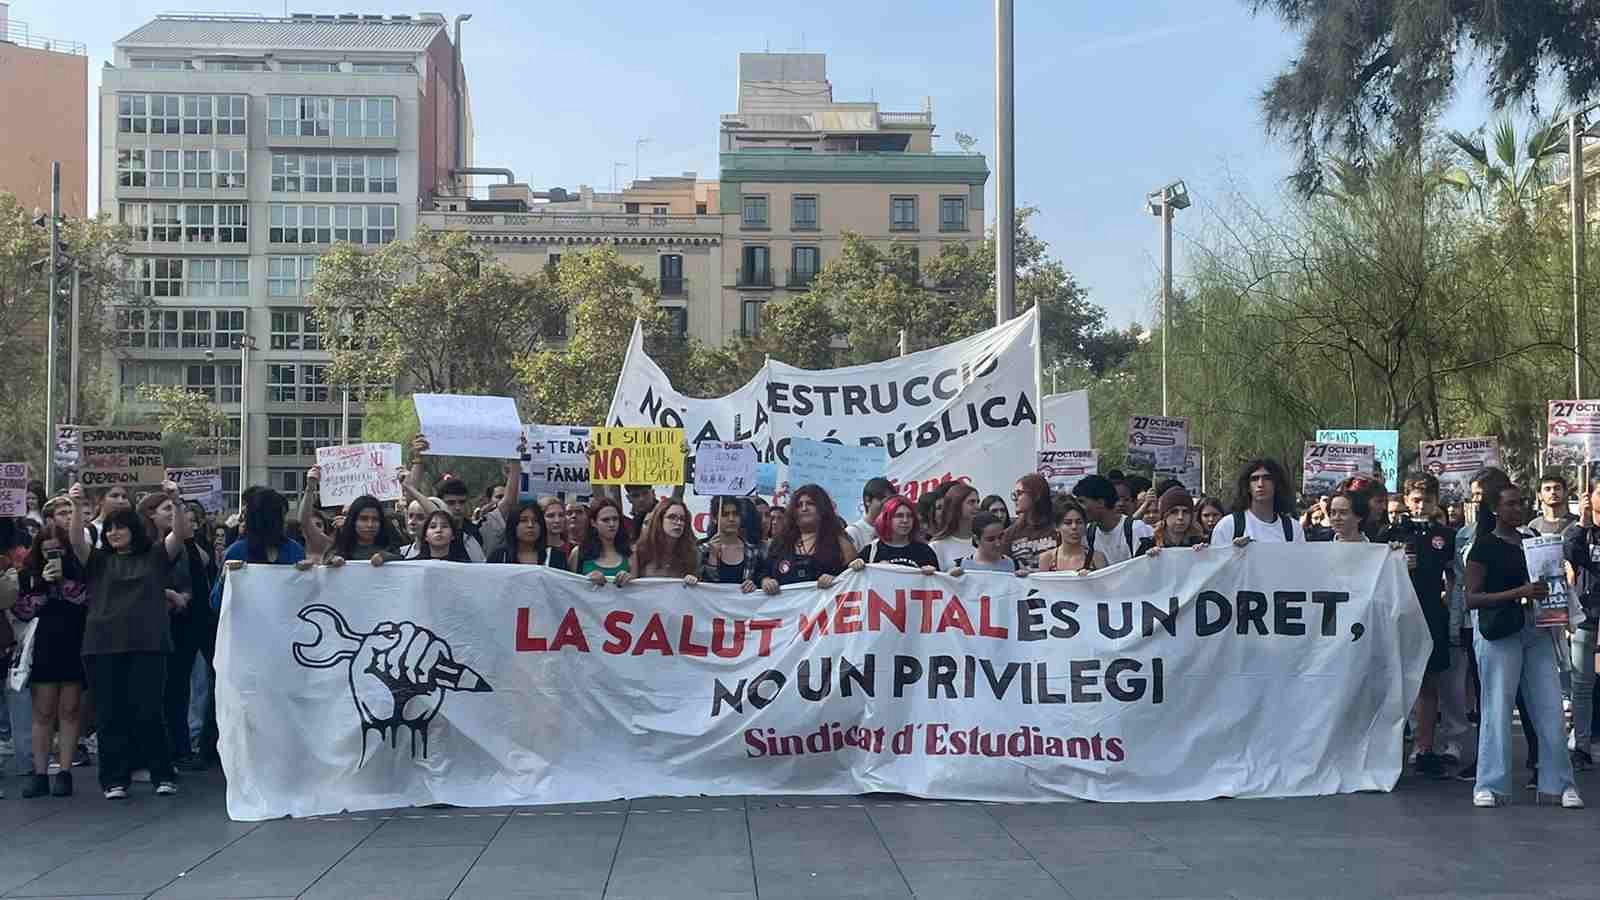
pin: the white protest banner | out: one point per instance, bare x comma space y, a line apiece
1385, 444
1544, 559
1065, 419
724, 467
203, 485
68, 448
126, 455
468, 425
1572, 432
557, 463
965, 411
1263, 671
840, 470
1147, 434
1187, 473
1326, 464
13, 489
355, 469
1063, 469
1454, 461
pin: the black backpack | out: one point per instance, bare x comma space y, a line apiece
1127, 536
1238, 526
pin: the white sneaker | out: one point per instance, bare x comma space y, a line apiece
1570, 799
116, 793
166, 789
1486, 799
7, 748
142, 776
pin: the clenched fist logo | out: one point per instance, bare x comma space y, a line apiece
399, 673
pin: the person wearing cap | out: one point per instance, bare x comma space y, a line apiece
1174, 527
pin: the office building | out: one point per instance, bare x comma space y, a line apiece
238, 149
44, 117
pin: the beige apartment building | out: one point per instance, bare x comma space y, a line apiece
44, 117
238, 149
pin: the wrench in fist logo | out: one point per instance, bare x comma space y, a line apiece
399, 673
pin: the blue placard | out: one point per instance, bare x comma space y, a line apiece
1386, 444
840, 470
766, 479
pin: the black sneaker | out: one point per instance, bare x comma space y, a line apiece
1582, 761
80, 757
1429, 765
1533, 780
61, 784
1468, 773
35, 786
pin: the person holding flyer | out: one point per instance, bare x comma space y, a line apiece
1581, 553
1513, 653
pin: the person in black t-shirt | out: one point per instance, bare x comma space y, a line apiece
897, 542
1581, 549
1430, 555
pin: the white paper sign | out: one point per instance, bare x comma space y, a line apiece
467, 425
1133, 683
557, 463
1147, 434
202, 485
356, 469
724, 468
1063, 469
13, 489
1065, 420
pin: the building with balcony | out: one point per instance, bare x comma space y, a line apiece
799, 169
44, 117
238, 149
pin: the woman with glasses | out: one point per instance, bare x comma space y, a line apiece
1033, 533
666, 547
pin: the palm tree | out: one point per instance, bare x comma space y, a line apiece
1516, 171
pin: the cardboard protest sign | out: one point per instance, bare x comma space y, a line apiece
650, 456
126, 455
1326, 464
13, 489
724, 468
839, 469
1063, 469
1385, 445
1572, 432
1147, 434
202, 485
1455, 461
356, 469
557, 463
467, 425
68, 449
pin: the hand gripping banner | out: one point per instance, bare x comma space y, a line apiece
1265, 671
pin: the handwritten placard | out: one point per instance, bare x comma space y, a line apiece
350, 471
203, 485
839, 469
126, 456
13, 489
724, 468
558, 461
468, 425
650, 456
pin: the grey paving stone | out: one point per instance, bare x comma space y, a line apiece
277, 859
554, 867
1114, 882
436, 831
639, 876
982, 879
141, 860
808, 882
395, 873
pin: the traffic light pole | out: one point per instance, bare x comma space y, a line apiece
52, 336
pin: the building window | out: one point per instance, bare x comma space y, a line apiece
235, 65
290, 276
162, 65
383, 69
231, 113
135, 218
754, 270
323, 174
131, 168
199, 223
166, 223
283, 435
316, 174
197, 169
286, 482
219, 382
299, 116
155, 277
804, 207
295, 329
659, 210
308, 67
197, 114
165, 113
671, 275
281, 387
232, 225
227, 327
804, 266
630, 208
301, 435
233, 277
138, 373
286, 173
132, 113
230, 168
902, 213
678, 322
755, 212
313, 383
163, 171
750, 317
952, 214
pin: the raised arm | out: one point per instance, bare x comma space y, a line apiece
418, 476
317, 541
75, 535
182, 526
513, 495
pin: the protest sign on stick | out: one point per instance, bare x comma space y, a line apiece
1326, 464
839, 469
467, 425
13, 489
650, 456
724, 468
1148, 434
126, 455
68, 449
1385, 445
1455, 461
557, 462
355, 469
203, 485
1063, 469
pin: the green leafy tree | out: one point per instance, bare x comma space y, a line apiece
1371, 73
191, 425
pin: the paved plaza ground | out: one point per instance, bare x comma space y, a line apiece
1423, 840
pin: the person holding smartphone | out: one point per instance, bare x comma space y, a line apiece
53, 588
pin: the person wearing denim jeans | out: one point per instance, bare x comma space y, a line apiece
1498, 587
1581, 550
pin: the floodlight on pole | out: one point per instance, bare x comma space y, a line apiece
1162, 203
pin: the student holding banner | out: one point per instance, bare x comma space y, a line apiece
897, 542
605, 548
952, 534
1033, 532
667, 547
1072, 554
1174, 524
811, 545
733, 554
528, 543
1263, 509
366, 534
440, 542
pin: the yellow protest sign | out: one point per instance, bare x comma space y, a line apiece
637, 456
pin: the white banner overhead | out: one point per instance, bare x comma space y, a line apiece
1263, 671
964, 411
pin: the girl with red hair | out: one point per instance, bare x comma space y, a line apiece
897, 542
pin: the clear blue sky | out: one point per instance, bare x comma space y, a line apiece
1113, 99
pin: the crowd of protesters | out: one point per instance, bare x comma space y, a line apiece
126, 596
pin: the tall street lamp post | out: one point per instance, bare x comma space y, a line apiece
1162, 204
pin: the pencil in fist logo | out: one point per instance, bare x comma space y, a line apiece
399, 673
